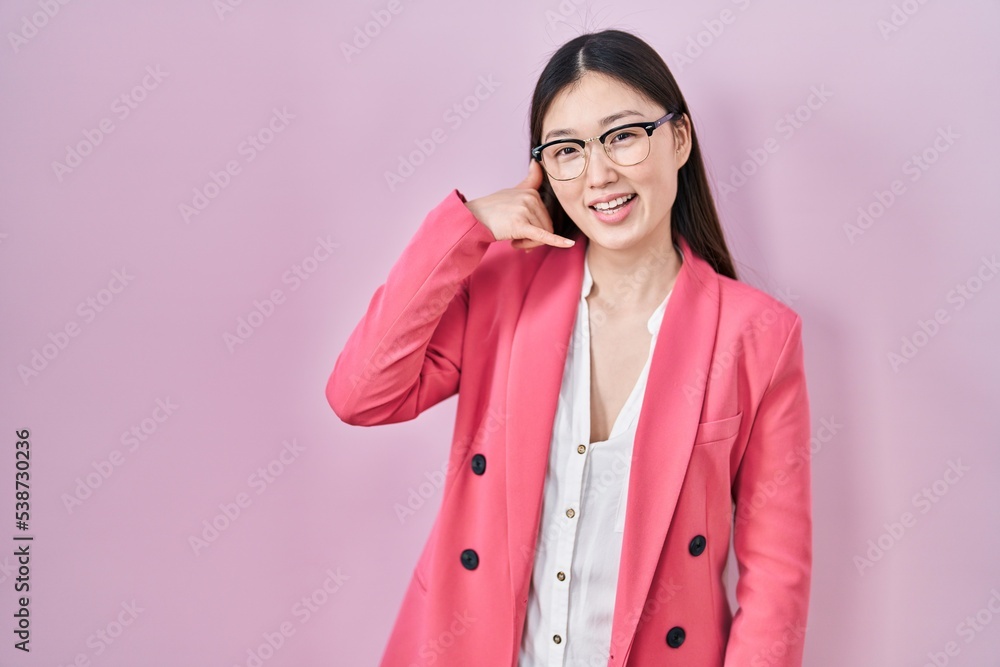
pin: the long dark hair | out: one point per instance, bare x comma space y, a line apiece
634, 63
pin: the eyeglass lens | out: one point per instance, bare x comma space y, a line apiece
626, 147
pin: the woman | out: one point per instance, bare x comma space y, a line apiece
588, 500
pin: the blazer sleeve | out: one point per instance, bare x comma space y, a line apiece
405, 355
773, 529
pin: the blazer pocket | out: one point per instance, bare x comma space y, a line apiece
720, 429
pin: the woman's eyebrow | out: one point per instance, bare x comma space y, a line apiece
607, 120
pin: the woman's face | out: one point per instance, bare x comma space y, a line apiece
579, 108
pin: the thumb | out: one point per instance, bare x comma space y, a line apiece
534, 178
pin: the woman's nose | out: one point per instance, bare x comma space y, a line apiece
599, 166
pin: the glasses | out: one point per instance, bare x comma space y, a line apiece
566, 159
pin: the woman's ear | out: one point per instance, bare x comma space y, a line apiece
682, 141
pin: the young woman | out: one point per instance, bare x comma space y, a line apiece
625, 404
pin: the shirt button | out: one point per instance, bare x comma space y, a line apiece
557, 639
561, 576
570, 513
581, 448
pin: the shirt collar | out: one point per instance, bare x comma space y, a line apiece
653, 324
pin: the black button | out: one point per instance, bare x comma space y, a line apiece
479, 464
470, 559
697, 545
675, 637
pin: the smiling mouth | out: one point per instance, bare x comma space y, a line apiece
617, 208
624, 203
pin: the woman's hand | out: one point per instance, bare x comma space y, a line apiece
518, 213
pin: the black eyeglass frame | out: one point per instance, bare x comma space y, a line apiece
536, 152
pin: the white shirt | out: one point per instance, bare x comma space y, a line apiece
571, 597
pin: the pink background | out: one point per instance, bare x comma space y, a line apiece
316, 188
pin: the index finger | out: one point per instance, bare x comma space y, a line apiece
548, 238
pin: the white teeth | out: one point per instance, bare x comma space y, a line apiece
614, 203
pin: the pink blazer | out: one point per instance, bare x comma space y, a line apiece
725, 420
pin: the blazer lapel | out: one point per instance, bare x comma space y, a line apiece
537, 359
668, 418
668, 421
